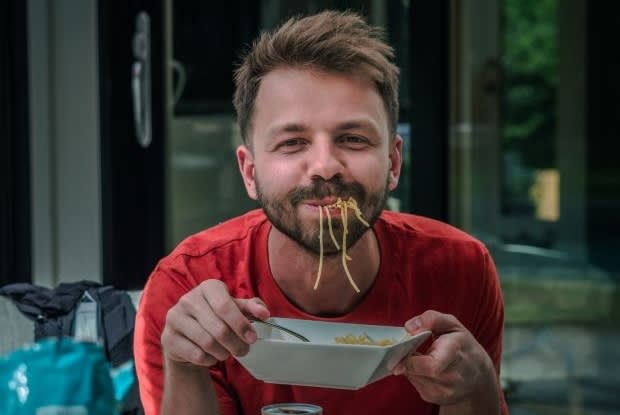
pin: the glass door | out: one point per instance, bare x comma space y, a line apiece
168, 127
203, 43
203, 182
534, 175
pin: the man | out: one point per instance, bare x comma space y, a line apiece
317, 106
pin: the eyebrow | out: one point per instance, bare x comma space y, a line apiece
287, 128
344, 126
358, 124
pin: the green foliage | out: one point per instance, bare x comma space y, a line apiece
530, 60
530, 70
530, 38
550, 300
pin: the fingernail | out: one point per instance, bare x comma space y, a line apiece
399, 369
250, 336
413, 324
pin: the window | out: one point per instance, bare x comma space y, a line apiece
533, 176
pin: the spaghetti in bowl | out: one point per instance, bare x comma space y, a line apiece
338, 355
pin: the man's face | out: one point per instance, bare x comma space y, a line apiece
317, 137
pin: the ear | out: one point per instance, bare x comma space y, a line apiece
396, 160
245, 159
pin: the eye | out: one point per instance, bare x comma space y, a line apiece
353, 141
291, 145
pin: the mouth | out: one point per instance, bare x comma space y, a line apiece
324, 206
317, 209
325, 202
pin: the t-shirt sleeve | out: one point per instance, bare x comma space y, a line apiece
490, 319
147, 347
162, 291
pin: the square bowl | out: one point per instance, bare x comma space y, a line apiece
278, 357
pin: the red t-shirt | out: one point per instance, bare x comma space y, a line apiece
425, 265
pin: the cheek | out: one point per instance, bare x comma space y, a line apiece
274, 178
372, 173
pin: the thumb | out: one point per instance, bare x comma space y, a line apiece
414, 325
253, 307
434, 321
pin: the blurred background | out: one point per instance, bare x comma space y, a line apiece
117, 138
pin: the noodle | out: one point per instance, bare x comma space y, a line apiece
329, 225
363, 339
344, 214
318, 275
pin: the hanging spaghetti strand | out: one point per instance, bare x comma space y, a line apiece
344, 215
318, 274
329, 225
345, 225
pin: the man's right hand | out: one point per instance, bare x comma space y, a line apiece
207, 325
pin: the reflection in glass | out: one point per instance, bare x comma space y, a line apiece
529, 113
204, 186
537, 186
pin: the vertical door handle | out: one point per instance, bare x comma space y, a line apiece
141, 79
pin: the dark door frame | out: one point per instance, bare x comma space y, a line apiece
429, 40
132, 177
15, 227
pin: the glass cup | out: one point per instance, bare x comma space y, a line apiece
291, 408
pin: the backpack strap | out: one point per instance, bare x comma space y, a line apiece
118, 318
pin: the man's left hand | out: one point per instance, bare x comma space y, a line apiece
455, 370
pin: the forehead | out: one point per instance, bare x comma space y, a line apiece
317, 99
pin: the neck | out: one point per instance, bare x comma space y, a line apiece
295, 270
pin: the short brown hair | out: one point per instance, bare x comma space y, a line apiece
335, 42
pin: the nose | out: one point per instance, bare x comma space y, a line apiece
325, 162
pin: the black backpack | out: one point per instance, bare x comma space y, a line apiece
84, 309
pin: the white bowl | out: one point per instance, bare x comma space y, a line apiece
278, 357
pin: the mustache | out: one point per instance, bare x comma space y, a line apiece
321, 188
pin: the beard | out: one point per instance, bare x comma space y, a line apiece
283, 213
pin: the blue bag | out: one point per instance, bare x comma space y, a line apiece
62, 376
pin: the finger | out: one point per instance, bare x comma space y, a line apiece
434, 321
186, 351
447, 381
446, 352
435, 364
253, 307
429, 389
181, 322
221, 332
211, 306
226, 316
442, 355
209, 343
401, 367
432, 391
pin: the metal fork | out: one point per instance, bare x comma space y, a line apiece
279, 327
